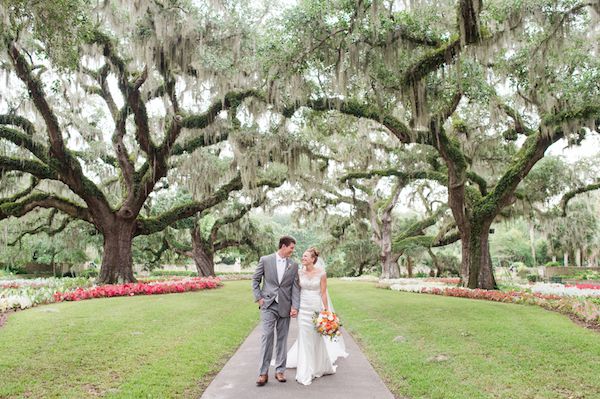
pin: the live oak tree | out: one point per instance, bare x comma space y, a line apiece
109, 102
421, 70
217, 230
362, 176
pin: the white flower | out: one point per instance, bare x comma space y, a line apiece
562, 290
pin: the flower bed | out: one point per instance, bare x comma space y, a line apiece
23, 294
52, 282
364, 277
579, 290
582, 309
444, 280
586, 286
153, 288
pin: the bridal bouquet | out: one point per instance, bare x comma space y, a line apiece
327, 324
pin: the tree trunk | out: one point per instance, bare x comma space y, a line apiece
117, 258
566, 259
532, 243
476, 259
203, 254
409, 266
389, 266
204, 260
360, 270
578, 257
436, 269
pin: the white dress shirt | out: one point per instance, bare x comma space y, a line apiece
281, 264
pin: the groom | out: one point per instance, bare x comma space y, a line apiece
278, 300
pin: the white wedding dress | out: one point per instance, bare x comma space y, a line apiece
313, 355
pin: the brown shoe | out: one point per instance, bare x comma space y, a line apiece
280, 377
262, 380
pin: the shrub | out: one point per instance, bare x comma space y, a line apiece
14, 269
533, 278
5, 273
552, 264
88, 273
183, 273
228, 259
421, 275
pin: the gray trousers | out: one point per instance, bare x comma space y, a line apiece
271, 321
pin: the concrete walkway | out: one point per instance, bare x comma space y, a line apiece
355, 377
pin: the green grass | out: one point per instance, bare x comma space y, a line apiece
136, 347
171, 345
494, 350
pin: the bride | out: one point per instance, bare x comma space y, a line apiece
313, 355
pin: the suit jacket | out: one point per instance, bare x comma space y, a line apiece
288, 290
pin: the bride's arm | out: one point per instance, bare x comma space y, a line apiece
324, 290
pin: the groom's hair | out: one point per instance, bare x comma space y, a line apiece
287, 241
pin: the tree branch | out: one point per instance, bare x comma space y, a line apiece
36, 92
152, 225
23, 140
32, 185
231, 100
43, 200
65, 167
360, 110
19, 121
35, 168
125, 162
429, 175
238, 213
564, 202
44, 228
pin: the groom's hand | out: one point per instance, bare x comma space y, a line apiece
261, 301
293, 312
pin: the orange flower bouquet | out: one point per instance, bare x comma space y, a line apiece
327, 324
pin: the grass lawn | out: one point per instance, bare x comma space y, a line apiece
492, 350
145, 346
171, 345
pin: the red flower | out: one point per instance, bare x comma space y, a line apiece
148, 288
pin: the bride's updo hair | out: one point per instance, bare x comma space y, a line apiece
314, 252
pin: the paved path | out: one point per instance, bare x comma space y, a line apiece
355, 377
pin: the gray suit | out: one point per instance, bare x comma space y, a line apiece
275, 315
